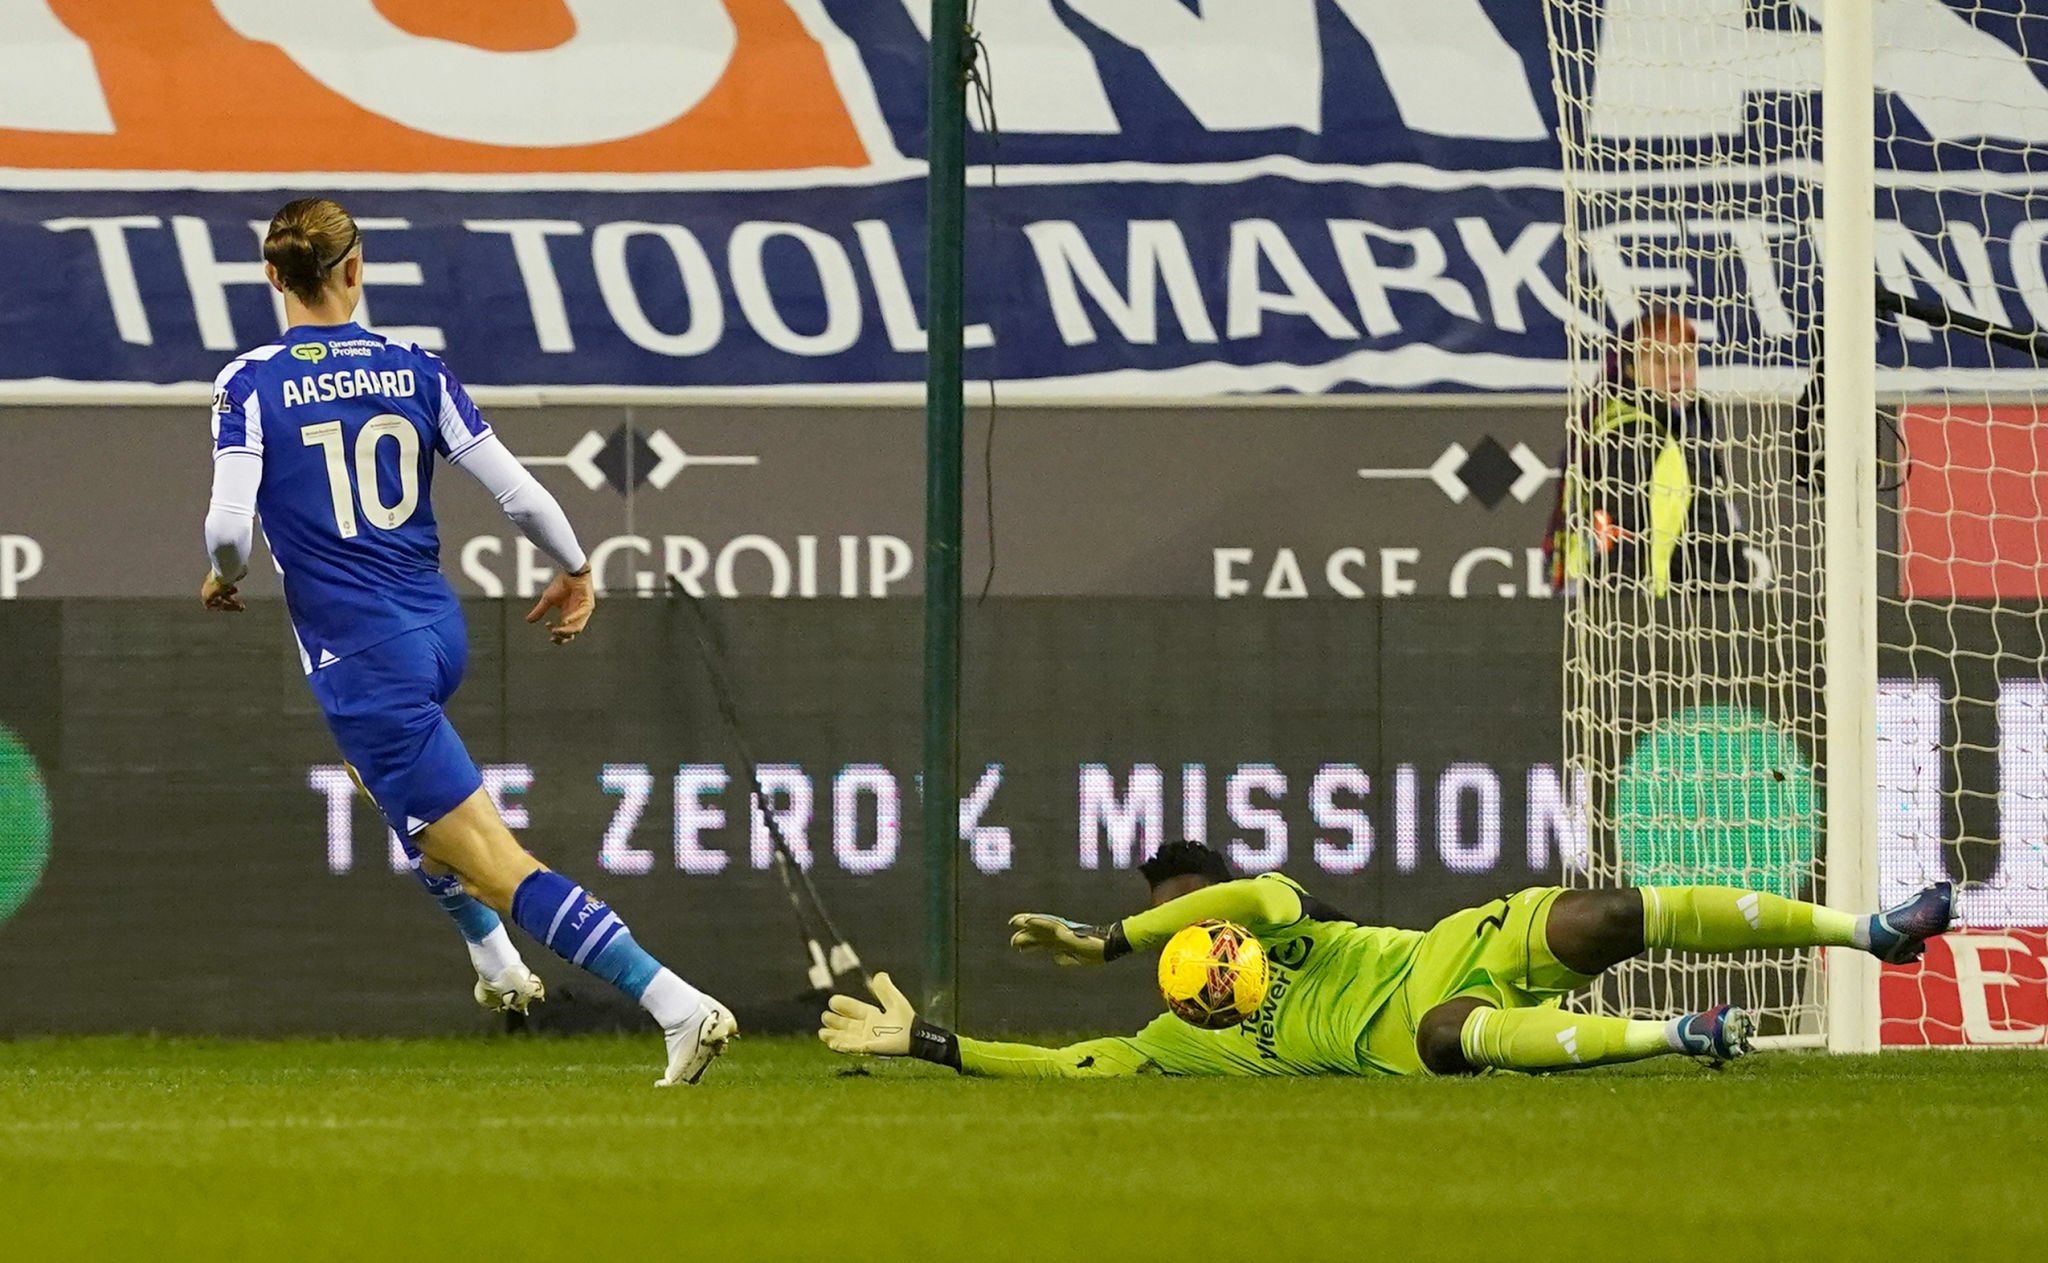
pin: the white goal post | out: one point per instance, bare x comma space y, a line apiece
1849, 526
1804, 617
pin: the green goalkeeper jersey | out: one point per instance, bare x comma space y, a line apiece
1329, 978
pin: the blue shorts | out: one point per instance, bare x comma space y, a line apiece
383, 705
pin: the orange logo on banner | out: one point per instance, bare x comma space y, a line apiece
403, 85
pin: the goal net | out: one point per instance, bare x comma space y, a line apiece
1693, 541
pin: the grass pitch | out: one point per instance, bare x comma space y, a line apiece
481, 1149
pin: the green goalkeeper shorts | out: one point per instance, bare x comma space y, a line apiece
1496, 952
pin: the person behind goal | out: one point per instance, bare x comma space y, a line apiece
1479, 990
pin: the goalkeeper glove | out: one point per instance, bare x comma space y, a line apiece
1070, 942
859, 1029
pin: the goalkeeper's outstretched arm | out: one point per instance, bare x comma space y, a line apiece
1260, 904
1090, 1059
893, 1029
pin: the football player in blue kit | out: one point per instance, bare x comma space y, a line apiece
329, 435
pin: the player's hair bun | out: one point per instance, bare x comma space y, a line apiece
306, 241
297, 264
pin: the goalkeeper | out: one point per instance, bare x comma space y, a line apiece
1480, 989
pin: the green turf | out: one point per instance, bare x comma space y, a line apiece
561, 1149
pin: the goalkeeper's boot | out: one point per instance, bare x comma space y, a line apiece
512, 991
695, 1042
1899, 934
1721, 1033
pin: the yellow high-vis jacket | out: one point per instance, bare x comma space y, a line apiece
1628, 501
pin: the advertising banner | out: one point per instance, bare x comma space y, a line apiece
1975, 987
168, 793
1394, 755
1243, 503
1970, 523
1170, 199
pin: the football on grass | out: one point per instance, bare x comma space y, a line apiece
1213, 974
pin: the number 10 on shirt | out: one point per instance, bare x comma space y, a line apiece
327, 436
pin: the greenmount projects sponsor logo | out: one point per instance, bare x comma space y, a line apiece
311, 352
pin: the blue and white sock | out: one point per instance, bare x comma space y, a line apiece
470, 916
580, 928
490, 948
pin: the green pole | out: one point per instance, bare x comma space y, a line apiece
946, 189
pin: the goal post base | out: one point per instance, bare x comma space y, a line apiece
1852, 1012
1810, 1042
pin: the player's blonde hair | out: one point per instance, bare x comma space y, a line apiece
307, 240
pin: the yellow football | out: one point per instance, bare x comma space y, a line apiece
1213, 974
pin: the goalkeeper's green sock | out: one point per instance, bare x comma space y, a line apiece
1552, 1039
1724, 919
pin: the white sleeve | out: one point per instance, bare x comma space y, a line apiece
231, 513
523, 499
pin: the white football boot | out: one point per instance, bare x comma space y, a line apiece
513, 990
695, 1042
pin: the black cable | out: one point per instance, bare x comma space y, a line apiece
1902, 460
1806, 411
1806, 455
842, 958
728, 710
981, 83
807, 934
1942, 317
